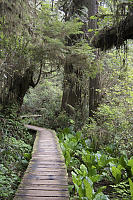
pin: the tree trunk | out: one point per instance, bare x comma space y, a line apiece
73, 75
72, 88
15, 89
71, 99
94, 83
72, 92
94, 97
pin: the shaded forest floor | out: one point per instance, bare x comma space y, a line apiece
15, 152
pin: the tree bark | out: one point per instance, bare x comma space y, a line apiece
71, 99
94, 96
19, 85
15, 89
72, 92
72, 88
94, 83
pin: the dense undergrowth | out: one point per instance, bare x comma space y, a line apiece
99, 157
96, 173
44, 100
15, 152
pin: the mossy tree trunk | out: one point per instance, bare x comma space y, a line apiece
19, 86
73, 77
72, 85
94, 83
16, 72
71, 99
14, 88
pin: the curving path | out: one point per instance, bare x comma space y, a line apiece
45, 177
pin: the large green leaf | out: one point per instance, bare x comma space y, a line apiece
131, 187
88, 189
101, 196
84, 170
130, 163
116, 174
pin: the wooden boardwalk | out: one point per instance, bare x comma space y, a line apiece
45, 177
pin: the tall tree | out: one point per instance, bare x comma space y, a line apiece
94, 83
16, 71
71, 100
73, 75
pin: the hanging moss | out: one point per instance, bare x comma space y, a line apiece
121, 30
115, 35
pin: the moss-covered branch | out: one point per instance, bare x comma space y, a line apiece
115, 35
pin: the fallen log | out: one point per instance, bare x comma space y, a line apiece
28, 116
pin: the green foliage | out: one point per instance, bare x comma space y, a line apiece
102, 151
62, 121
45, 100
84, 184
70, 146
39, 40
131, 187
116, 172
15, 153
89, 169
113, 120
14, 162
8, 182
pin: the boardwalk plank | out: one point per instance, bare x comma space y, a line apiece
45, 182
44, 177
46, 173
40, 198
44, 187
43, 193
45, 169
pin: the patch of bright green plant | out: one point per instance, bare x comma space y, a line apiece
84, 183
131, 187
89, 168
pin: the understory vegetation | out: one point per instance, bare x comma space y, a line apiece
15, 152
99, 158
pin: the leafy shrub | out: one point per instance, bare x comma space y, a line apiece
111, 126
62, 120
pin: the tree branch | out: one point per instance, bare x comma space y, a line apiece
115, 35
35, 84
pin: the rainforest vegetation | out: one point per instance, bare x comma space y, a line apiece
67, 65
